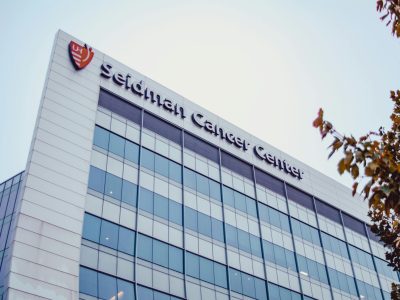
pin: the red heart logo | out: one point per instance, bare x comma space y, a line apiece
80, 56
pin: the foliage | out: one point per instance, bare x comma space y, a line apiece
391, 14
374, 159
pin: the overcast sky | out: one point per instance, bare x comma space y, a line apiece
266, 66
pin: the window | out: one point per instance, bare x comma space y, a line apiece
147, 159
190, 218
175, 171
132, 152
220, 275
192, 265
161, 206
126, 241
101, 137
206, 270
144, 293
107, 286
125, 289
217, 230
117, 145
231, 235
129, 193
239, 201
91, 228
175, 212
176, 259
88, 281
109, 234
204, 224
97, 179
113, 186
235, 280
145, 247
202, 184
189, 178
146, 200
160, 253
161, 165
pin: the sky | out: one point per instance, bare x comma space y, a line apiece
266, 66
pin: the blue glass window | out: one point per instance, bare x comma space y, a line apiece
255, 245
248, 285
235, 281
217, 230
176, 259
206, 270
220, 275
146, 200
161, 206
144, 293
126, 241
113, 186
190, 219
240, 201
244, 241
109, 234
125, 289
204, 223
160, 253
190, 178
261, 291
192, 265
101, 137
175, 171
147, 159
145, 247
97, 179
129, 192
228, 196
202, 184
161, 165
251, 207
88, 282
231, 235
215, 190
175, 212
132, 152
91, 228
107, 286
117, 145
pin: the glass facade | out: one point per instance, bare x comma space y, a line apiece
9, 192
170, 216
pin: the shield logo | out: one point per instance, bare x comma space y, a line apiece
80, 56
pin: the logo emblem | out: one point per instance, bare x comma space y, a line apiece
80, 56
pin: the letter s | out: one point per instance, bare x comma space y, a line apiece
106, 70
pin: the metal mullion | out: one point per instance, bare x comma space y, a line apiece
323, 249
348, 252
223, 221
137, 202
294, 244
259, 228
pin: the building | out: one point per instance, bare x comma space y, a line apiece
130, 190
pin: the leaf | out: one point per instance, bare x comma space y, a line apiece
354, 171
320, 119
355, 185
341, 166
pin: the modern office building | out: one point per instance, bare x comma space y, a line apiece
132, 191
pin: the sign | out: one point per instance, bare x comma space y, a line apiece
80, 56
139, 88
